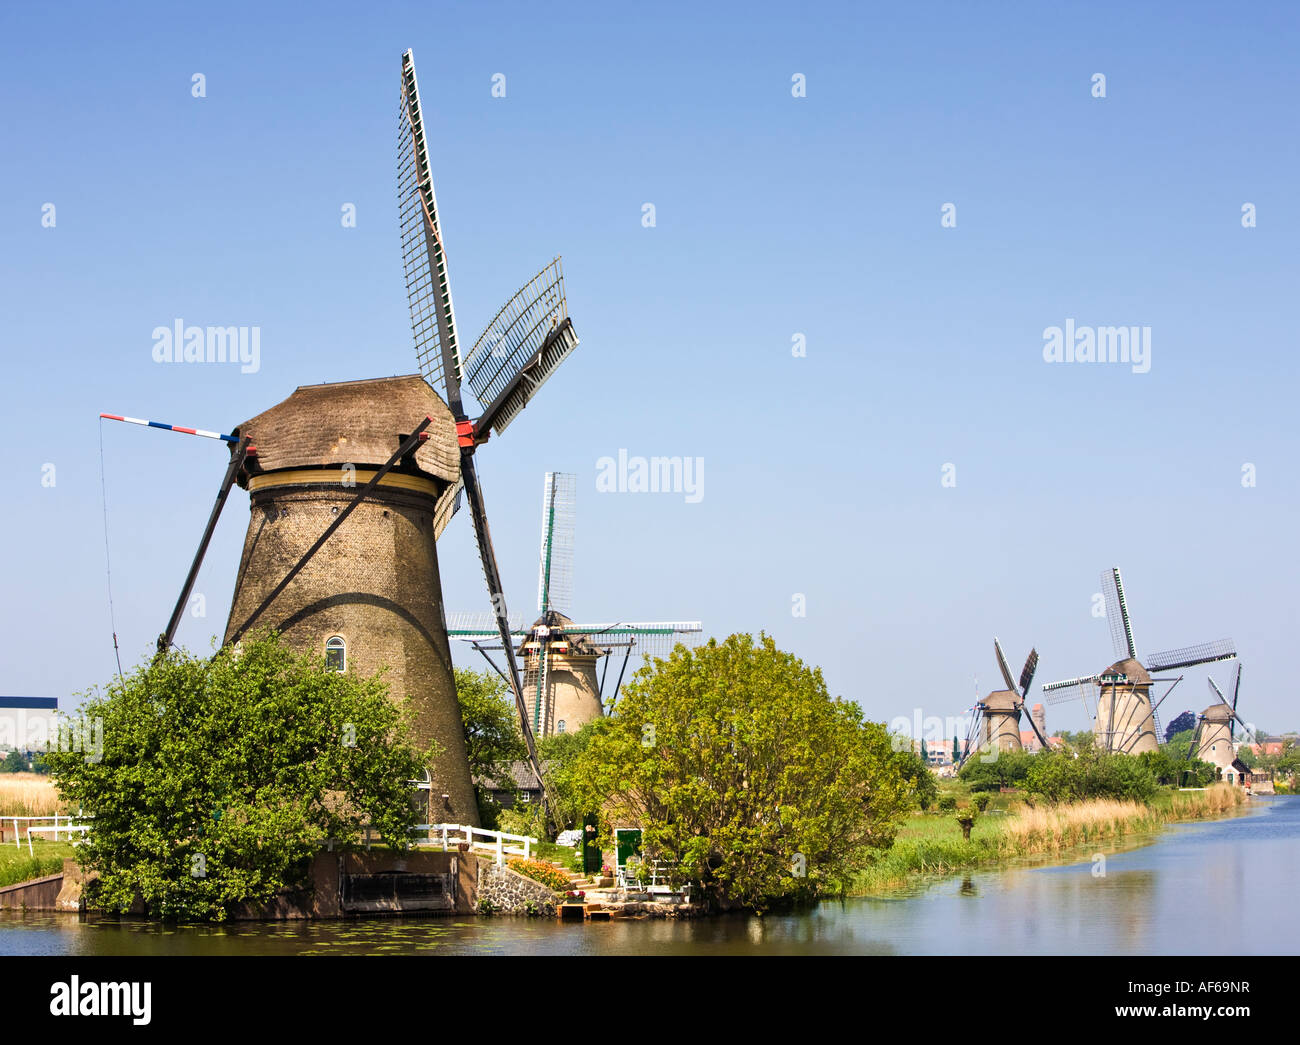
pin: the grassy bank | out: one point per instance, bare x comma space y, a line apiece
17, 866
931, 844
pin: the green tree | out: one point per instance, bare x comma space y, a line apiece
14, 762
742, 771
220, 778
1064, 777
918, 777
492, 737
993, 770
956, 749
1183, 722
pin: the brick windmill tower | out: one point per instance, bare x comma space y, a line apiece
370, 596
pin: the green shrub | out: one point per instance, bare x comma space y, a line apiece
993, 770
947, 804
1063, 777
982, 800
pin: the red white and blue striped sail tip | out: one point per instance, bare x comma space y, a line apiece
170, 428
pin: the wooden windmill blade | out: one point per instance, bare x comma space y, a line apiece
1082, 689
520, 349
1233, 687
1191, 656
1003, 666
555, 569
424, 262
1121, 628
1026, 678
649, 638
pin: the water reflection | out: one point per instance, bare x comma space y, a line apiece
1215, 888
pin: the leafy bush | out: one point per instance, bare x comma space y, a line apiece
993, 770
220, 778
947, 804
981, 801
523, 819
915, 771
1062, 777
1170, 765
550, 876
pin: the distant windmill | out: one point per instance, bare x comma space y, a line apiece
997, 717
1213, 739
1124, 718
560, 678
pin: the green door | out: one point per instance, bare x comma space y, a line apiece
591, 855
627, 842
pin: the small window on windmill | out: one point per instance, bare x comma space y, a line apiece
336, 654
559, 726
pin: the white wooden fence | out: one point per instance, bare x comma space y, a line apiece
499, 843
477, 838
45, 825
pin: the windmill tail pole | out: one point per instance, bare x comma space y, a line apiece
170, 428
242, 449
408, 445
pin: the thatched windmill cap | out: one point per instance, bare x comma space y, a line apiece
1004, 700
1137, 674
360, 423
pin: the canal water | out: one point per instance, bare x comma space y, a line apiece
1227, 887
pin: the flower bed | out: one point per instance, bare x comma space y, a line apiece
538, 871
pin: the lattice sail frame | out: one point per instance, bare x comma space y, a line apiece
1121, 628
1191, 656
555, 568
1083, 689
423, 261
521, 348
1003, 666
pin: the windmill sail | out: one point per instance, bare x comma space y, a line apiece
1121, 629
1003, 666
650, 639
1027, 673
428, 291
1190, 656
555, 573
521, 348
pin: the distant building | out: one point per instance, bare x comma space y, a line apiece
27, 724
527, 789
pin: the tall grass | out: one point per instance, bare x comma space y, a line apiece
28, 794
930, 845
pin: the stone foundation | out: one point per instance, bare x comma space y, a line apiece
509, 892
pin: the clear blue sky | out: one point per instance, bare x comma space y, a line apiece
775, 216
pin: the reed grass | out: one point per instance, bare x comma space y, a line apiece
29, 794
933, 845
